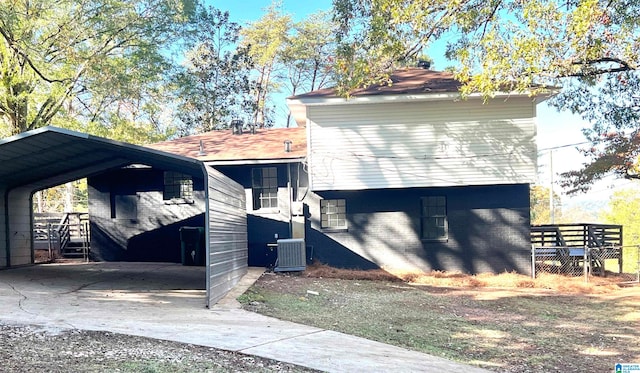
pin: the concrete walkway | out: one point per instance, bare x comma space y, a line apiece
166, 301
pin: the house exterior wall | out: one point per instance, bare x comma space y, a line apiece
488, 227
488, 230
227, 238
357, 146
131, 222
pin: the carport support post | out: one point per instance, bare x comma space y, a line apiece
33, 252
6, 229
207, 239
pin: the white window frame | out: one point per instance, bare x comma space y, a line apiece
264, 189
333, 213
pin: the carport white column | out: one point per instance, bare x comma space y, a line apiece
226, 235
19, 224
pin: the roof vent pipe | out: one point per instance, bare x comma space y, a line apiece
201, 152
236, 126
287, 146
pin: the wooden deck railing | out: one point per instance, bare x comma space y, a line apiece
65, 233
576, 235
576, 247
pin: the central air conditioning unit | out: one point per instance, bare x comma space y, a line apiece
291, 255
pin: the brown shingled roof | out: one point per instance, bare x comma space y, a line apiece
404, 81
265, 144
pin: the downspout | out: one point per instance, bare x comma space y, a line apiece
290, 200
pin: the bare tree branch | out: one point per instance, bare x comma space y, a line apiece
26, 58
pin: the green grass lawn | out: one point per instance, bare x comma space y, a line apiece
501, 329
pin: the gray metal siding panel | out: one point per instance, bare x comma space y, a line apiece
227, 235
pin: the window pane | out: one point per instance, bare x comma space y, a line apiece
433, 211
264, 183
177, 185
256, 177
434, 217
333, 213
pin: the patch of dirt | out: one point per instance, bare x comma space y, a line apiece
29, 349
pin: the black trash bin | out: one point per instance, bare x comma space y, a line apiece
192, 246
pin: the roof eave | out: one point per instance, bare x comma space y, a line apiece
234, 162
382, 98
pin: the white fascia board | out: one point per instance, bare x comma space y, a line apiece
376, 99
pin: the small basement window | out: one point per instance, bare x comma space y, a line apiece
333, 214
177, 187
434, 218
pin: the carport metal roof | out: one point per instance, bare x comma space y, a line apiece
49, 156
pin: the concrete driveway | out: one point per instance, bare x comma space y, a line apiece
166, 301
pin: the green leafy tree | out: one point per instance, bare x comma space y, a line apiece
78, 62
624, 209
540, 209
496, 43
588, 47
612, 105
214, 86
307, 56
69, 197
265, 40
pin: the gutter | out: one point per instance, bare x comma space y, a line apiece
253, 161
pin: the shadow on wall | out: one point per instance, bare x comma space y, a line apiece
261, 233
158, 245
328, 251
488, 230
319, 248
486, 240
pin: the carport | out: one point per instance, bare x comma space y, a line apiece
51, 156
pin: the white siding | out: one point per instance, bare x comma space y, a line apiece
227, 238
422, 144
